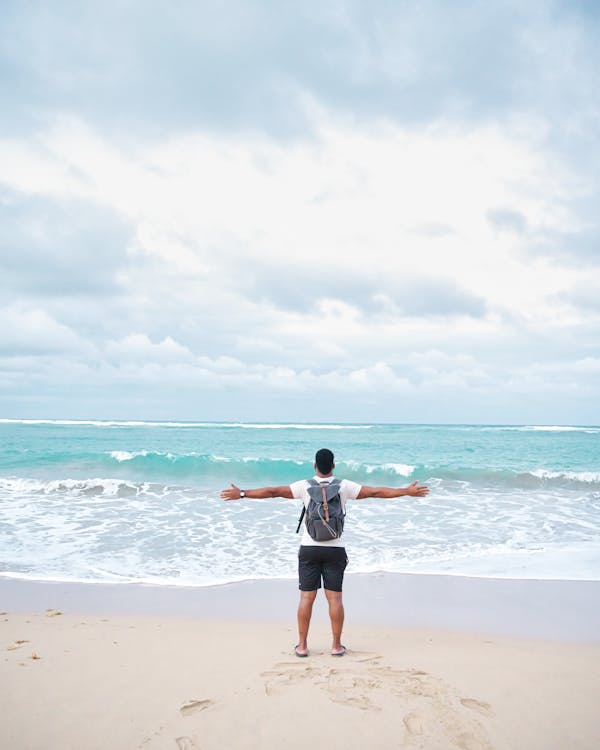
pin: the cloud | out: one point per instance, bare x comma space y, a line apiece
51, 247
372, 292
584, 295
355, 263
192, 66
376, 186
230, 210
507, 220
33, 331
139, 347
579, 246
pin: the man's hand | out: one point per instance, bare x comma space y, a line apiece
416, 490
232, 494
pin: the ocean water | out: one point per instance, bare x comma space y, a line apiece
139, 501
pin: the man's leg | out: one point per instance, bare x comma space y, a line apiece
336, 615
307, 599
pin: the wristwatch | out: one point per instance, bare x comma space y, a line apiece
242, 493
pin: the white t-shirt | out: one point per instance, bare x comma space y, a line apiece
348, 491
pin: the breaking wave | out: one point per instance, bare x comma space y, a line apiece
216, 472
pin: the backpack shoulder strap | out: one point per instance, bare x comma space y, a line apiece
301, 519
312, 483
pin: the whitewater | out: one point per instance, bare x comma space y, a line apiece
118, 501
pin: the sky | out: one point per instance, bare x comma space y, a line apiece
300, 211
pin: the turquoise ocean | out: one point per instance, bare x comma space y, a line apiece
139, 501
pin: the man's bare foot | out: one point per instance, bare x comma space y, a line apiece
301, 652
340, 651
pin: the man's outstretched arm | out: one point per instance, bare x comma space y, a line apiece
257, 494
413, 490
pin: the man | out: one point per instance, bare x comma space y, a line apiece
323, 560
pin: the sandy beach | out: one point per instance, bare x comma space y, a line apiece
92, 666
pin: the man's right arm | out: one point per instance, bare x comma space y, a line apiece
413, 490
257, 494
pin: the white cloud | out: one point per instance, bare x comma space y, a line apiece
407, 230
353, 196
139, 347
35, 331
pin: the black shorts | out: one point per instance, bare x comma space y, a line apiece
315, 561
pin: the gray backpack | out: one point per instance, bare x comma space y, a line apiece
325, 513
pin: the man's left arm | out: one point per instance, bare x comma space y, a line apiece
259, 493
413, 490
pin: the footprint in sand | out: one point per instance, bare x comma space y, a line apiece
409, 681
192, 707
413, 724
287, 673
16, 645
364, 683
186, 743
483, 708
351, 689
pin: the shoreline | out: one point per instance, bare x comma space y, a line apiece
561, 610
